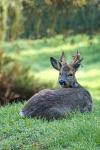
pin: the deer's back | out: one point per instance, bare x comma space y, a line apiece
58, 101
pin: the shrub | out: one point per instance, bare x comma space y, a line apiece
15, 82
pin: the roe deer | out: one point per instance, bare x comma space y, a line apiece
54, 104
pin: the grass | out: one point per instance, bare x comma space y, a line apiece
78, 131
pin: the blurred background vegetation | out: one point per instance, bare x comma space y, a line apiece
33, 30
44, 18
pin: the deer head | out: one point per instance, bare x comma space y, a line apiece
67, 71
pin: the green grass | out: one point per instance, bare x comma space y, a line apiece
78, 131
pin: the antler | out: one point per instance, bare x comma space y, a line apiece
76, 60
62, 58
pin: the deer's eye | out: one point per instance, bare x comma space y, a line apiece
70, 75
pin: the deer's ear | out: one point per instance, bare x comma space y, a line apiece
56, 64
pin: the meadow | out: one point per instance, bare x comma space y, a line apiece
78, 131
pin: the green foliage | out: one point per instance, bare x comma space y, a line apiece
39, 18
84, 20
1, 21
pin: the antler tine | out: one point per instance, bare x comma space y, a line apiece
76, 58
62, 57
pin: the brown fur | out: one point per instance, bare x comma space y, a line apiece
54, 104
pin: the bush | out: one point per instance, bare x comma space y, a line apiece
15, 82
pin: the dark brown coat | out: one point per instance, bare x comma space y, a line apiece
54, 104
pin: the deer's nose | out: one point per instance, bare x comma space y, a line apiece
62, 82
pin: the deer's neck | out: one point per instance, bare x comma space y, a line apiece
76, 84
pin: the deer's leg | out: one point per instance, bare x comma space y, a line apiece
86, 109
54, 113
